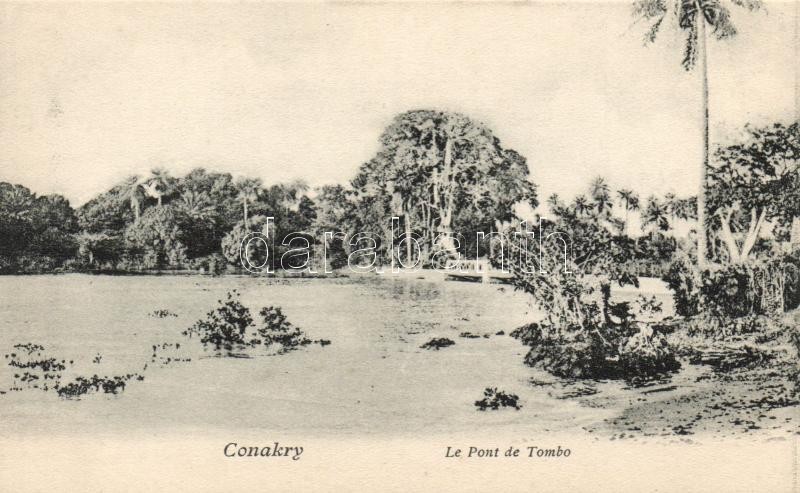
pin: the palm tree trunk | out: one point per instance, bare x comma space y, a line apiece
701, 192
245, 213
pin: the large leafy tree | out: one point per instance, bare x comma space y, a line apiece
753, 182
202, 188
694, 18
442, 172
104, 213
98, 249
257, 251
34, 227
156, 238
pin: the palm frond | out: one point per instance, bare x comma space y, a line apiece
720, 18
690, 50
751, 5
649, 9
687, 15
652, 31
652, 11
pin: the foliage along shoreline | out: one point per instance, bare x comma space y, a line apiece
444, 175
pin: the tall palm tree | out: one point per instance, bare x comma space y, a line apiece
654, 216
158, 184
134, 194
671, 205
554, 203
629, 200
249, 190
692, 17
599, 190
581, 205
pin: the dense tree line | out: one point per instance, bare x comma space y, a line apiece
443, 175
36, 233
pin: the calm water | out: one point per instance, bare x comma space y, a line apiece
373, 378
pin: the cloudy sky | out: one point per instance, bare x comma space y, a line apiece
90, 94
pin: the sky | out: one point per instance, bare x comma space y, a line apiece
92, 93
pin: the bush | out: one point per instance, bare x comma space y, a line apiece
609, 340
643, 354
162, 313
495, 399
646, 353
437, 343
226, 326
528, 335
576, 358
583, 333
277, 330
82, 385
38, 371
756, 287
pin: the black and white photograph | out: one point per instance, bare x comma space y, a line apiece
390, 246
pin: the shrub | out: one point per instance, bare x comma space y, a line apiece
586, 335
528, 335
38, 369
82, 385
162, 313
577, 358
684, 282
277, 330
646, 353
495, 399
437, 343
226, 326
756, 287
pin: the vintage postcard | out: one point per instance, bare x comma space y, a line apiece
382, 246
